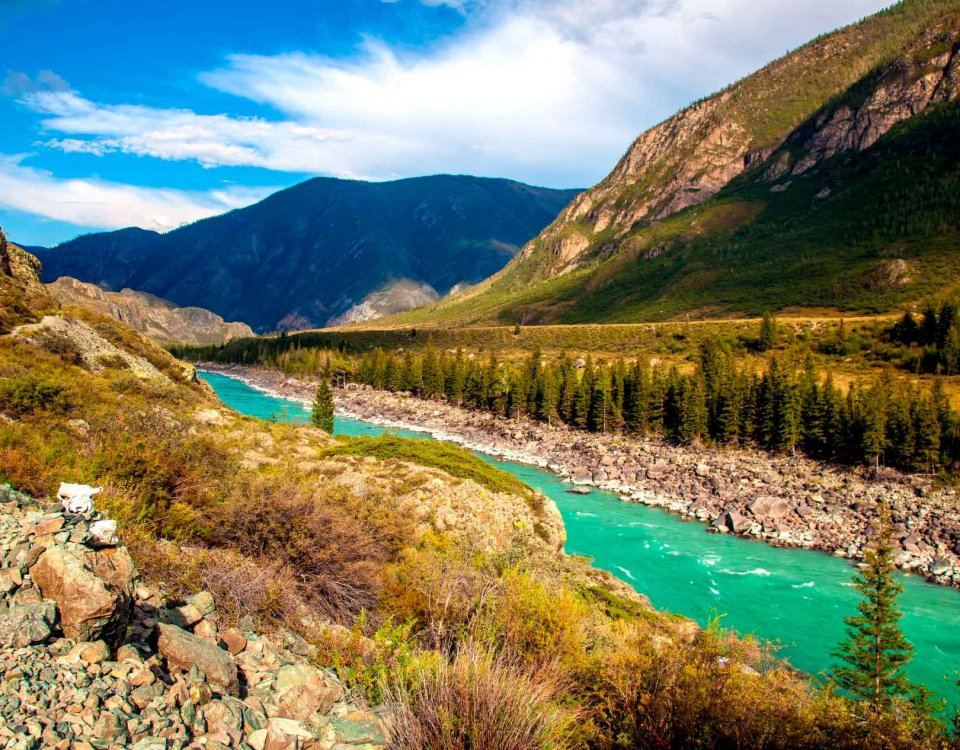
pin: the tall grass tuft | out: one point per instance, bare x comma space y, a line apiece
480, 702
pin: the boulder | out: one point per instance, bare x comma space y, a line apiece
25, 624
93, 593
735, 521
302, 690
769, 507
183, 650
658, 470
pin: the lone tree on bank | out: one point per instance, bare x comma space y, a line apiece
875, 651
322, 414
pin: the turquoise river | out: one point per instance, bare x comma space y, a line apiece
795, 597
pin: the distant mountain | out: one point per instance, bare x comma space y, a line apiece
323, 251
156, 318
830, 178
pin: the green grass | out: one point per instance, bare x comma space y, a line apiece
451, 459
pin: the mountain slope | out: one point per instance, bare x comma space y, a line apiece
309, 254
789, 188
152, 316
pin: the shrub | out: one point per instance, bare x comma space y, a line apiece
334, 558
240, 586
708, 691
478, 702
31, 394
62, 346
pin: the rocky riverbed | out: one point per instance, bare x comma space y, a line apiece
784, 500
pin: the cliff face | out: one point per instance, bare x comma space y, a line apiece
764, 122
162, 321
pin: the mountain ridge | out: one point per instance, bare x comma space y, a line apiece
309, 254
153, 316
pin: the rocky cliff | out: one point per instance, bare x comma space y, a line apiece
839, 93
156, 318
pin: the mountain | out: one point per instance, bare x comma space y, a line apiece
323, 250
827, 179
152, 316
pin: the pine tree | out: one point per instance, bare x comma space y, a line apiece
875, 651
322, 414
768, 332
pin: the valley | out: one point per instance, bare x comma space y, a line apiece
335, 415
796, 598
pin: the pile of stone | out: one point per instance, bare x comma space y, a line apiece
90, 658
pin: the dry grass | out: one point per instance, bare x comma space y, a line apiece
333, 557
477, 702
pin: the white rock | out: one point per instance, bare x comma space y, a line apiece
104, 533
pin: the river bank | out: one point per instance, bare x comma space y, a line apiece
784, 501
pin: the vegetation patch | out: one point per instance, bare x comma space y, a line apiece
448, 458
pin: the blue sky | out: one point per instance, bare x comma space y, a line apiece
157, 114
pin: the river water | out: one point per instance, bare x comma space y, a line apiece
795, 597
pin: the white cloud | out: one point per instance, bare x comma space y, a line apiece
548, 91
107, 205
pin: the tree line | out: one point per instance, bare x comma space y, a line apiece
786, 408
937, 332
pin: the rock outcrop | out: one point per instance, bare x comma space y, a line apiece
397, 296
92, 349
152, 316
5, 267
91, 658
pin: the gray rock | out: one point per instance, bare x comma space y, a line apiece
25, 624
92, 594
183, 650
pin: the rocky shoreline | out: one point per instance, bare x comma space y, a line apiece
782, 500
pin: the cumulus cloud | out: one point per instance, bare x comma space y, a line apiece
107, 205
548, 91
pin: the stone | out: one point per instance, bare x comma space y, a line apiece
25, 624
234, 640
285, 733
702, 470
658, 470
91, 606
48, 525
183, 650
185, 616
109, 728
302, 690
735, 521
204, 602
104, 534
769, 507
206, 628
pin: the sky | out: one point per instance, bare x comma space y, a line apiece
116, 113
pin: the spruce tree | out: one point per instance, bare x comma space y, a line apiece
768, 332
875, 650
322, 414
